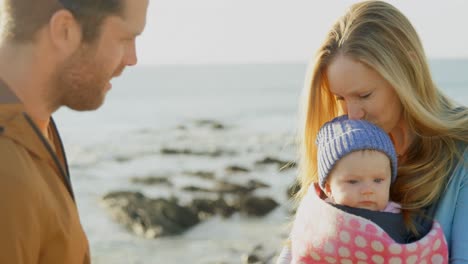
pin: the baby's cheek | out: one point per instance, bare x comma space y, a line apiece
347, 200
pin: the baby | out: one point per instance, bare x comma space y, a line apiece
357, 164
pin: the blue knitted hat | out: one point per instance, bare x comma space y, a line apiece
342, 136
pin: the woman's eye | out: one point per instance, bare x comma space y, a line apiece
364, 96
352, 181
339, 98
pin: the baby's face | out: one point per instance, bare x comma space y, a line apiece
361, 179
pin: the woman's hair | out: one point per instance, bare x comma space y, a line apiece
380, 36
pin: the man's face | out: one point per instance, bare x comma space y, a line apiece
84, 78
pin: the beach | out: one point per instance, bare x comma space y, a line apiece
212, 118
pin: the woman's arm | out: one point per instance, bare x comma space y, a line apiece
459, 242
452, 212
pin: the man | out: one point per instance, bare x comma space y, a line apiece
53, 53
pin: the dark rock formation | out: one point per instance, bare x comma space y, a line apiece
150, 218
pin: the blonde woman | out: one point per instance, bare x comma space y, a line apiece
372, 66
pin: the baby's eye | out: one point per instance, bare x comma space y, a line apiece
378, 180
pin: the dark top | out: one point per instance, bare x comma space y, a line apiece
392, 223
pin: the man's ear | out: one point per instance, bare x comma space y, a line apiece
65, 32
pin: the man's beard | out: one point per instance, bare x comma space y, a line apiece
81, 82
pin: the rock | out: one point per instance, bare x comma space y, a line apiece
257, 206
227, 187
269, 160
257, 256
169, 151
206, 208
192, 188
149, 218
224, 187
257, 184
213, 124
251, 259
122, 159
151, 180
209, 175
282, 164
212, 153
236, 169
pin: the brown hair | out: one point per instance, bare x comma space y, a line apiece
22, 19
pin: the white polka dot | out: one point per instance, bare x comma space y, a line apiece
395, 249
377, 246
330, 259
424, 240
436, 245
423, 262
360, 255
329, 248
360, 241
425, 252
344, 236
343, 252
437, 259
412, 259
433, 233
346, 261
314, 255
378, 259
395, 260
411, 247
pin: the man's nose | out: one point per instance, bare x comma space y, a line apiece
131, 58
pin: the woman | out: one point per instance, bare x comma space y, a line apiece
372, 66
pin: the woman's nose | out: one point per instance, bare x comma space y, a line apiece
354, 111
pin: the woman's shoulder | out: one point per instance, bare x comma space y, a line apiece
459, 170
463, 151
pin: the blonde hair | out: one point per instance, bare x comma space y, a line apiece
379, 35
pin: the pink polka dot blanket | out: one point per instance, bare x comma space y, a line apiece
322, 233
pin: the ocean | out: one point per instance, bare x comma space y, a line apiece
154, 107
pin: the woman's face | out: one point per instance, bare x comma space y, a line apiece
363, 93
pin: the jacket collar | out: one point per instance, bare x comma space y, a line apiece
15, 124
18, 126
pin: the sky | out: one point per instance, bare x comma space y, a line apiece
278, 31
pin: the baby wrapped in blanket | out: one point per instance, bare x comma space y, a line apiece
357, 164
